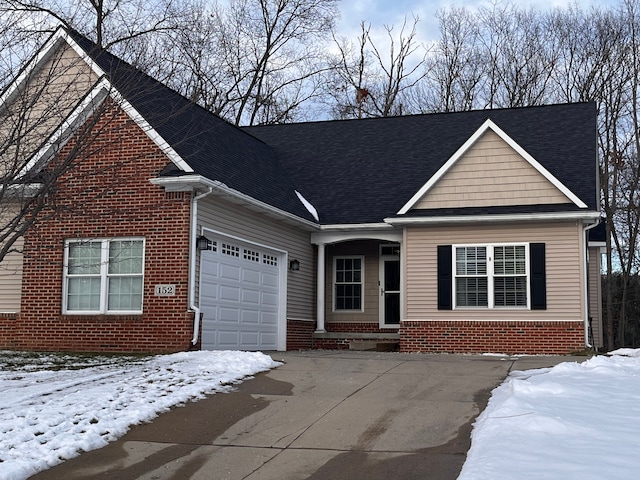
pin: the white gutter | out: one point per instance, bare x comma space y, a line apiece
215, 185
193, 254
590, 215
586, 282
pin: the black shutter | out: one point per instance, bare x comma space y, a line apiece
538, 277
444, 278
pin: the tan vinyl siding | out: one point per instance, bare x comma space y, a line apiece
564, 269
491, 173
11, 280
595, 295
34, 111
231, 219
368, 249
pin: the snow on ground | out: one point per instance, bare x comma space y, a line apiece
55, 406
575, 421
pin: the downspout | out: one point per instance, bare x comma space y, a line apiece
586, 282
192, 264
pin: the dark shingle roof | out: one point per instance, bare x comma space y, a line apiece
211, 146
353, 171
362, 171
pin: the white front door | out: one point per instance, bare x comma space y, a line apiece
389, 290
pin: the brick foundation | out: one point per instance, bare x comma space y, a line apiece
299, 334
351, 331
554, 338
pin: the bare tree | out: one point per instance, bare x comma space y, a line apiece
368, 81
255, 61
455, 68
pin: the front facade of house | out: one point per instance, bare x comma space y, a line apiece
460, 232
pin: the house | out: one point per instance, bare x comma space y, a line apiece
452, 232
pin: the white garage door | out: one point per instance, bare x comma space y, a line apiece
239, 297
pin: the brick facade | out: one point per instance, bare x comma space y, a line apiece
517, 337
108, 195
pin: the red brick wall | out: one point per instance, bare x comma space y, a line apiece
558, 338
299, 334
108, 194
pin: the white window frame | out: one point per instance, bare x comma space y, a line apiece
336, 283
103, 275
491, 275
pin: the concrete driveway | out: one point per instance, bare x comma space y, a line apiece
322, 415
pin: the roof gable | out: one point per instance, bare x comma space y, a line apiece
365, 171
469, 187
195, 140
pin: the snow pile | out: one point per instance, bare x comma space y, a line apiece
573, 421
54, 407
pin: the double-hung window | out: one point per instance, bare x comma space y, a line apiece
348, 282
491, 276
103, 276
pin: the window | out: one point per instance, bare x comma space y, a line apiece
103, 276
348, 281
491, 276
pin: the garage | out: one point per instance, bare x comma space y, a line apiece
239, 296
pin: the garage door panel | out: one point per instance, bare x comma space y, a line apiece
269, 299
270, 279
239, 298
228, 315
229, 272
251, 297
250, 317
228, 338
251, 276
229, 293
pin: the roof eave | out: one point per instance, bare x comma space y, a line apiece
590, 215
197, 182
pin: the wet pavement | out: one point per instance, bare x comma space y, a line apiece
322, 415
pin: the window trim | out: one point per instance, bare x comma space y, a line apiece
103, 275
336, 283
490, 275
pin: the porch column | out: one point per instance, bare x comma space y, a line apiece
320, 282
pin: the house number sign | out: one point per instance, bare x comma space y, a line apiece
165, 290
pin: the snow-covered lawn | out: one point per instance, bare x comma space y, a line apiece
53, 407
575, 421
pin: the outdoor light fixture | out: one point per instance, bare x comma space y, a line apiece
294, 265
202, 243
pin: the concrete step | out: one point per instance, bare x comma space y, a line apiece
375, 345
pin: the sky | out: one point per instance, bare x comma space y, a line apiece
575, 421
393, 12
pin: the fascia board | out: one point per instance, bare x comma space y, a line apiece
324, 237
497, 218
160, 142
84, 110
79, 114
151, 132
489, 124
43, 54
354, 226
198, 181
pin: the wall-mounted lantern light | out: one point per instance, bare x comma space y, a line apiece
203, 243
294, 265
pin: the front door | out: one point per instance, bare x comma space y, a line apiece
389, 290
